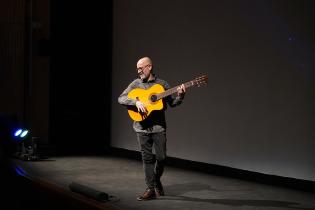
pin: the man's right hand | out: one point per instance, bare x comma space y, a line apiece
140, 106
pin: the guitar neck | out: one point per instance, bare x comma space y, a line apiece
174, 90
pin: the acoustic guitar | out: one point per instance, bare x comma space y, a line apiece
152, 97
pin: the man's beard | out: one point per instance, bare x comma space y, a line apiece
143, 77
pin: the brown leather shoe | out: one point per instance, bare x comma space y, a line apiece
159, 191
147, 195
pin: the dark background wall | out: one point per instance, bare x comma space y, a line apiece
257, 113
80, 75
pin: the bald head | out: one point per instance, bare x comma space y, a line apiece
144, 60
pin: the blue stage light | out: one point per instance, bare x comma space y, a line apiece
18, 132
24, 133
21, 133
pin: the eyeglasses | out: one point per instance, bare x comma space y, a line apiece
142, 68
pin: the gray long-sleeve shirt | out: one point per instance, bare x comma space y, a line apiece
156, 120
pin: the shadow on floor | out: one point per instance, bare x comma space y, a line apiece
175, 193
179, 189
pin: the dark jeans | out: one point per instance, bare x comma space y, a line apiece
153, 165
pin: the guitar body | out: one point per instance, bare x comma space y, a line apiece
147, 98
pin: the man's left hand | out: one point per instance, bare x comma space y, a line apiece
181, 90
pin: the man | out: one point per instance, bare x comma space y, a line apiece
151, 132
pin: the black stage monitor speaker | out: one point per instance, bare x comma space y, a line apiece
89, 192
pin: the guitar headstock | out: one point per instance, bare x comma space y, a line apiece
199, 81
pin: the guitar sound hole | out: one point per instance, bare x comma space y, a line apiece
153, 98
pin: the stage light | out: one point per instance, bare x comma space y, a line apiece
20, 134
24, 133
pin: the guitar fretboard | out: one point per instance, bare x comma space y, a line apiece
174, 89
